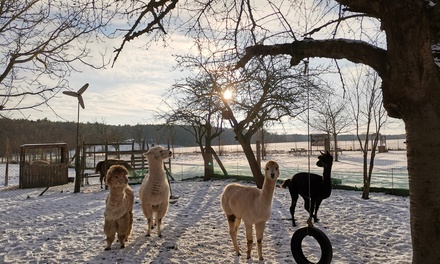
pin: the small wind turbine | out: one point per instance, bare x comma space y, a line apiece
78, 95
80, 103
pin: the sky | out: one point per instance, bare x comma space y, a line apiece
131, 91
128, 93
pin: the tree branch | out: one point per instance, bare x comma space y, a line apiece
155, 24
352, 50
371, 8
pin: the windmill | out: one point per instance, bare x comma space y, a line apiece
80, 103
78, 95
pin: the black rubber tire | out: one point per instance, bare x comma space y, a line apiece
319, 236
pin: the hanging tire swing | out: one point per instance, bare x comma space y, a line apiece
299, 235
319, 236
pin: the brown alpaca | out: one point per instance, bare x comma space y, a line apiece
252, 205
320, 187
118, 215
103, 166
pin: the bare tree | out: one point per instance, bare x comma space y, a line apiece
331, 117
263, 93
369, 116
41, 44
196, 109
266, 92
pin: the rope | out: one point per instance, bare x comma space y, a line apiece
306, 72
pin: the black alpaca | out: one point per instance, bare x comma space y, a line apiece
320, 187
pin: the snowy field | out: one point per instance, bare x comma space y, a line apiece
390, 169
63, 227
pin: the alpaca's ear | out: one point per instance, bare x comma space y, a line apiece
146, 153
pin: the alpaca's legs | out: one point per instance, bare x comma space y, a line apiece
307, 204
161, 212
154, 217
110, 232
249, 239
294, 196
159, 223
318, 203
148, 212
312, 209
233, 224
123, 226
130, 225
259, 229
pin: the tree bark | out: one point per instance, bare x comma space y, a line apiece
207, 161
423, 147
412, 88
220, 163
253, 164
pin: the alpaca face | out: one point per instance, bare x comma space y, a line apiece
158, 152
272, 170
324, 160
117, 177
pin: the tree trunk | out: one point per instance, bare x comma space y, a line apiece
207, 161
411, 92
335, 139
423, 148
209, 165
250, 156
220, 163
366, 187
254, 166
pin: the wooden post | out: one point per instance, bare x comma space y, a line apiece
7, 163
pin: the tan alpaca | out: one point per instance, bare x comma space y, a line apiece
252, 205
154, 192
118, 215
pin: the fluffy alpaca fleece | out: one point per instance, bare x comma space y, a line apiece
252, 205
118, 215
154, 192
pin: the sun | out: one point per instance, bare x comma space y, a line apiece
227, 94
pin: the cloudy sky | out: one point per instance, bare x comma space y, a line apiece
128, 93
133, 90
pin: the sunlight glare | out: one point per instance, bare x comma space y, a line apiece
227, 94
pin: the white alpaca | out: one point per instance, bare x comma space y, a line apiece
252, 205
154, 192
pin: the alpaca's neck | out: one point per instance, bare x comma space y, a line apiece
155, 166
115, 197
327, 175
268, 190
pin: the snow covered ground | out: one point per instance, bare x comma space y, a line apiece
63, 227
390, 169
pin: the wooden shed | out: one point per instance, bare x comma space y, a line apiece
43, 165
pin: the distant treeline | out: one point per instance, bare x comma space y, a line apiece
21, 131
